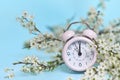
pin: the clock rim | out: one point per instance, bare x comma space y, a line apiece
73, 40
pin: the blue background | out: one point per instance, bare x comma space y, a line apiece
46, 12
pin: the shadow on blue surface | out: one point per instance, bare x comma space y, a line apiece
65, 69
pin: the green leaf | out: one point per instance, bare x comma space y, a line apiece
27, 45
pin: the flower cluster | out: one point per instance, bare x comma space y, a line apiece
10, 73
51, 42
102, 4
34, 65
113, 30
26, 20
46, 41
107, 65
94, 19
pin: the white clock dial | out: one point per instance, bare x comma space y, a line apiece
79, 54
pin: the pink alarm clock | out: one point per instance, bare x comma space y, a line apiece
79, 52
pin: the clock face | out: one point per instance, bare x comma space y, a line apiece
79, 54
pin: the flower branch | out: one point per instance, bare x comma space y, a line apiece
33, 65
26, 20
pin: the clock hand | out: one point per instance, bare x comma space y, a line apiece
79, 52
76, 46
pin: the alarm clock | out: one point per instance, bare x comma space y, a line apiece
79, 52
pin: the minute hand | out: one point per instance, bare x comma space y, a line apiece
79, 52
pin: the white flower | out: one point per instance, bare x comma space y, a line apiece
69, 78
25, 69
33, 43
11, 75
90, 72
25, 14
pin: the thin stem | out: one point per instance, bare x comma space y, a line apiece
34, 33
49, 38
98, 13
37, 29
34, 27
117, 24
22, 63
96, 43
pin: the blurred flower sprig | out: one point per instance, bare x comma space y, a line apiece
10, 73
31, 64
